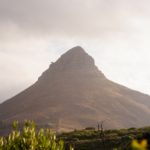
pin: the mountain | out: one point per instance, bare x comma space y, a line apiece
73, 93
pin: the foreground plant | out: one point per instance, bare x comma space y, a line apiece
139, 145
30, 139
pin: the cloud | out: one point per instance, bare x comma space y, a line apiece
71, 17
34, 32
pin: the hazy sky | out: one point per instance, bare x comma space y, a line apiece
34, 33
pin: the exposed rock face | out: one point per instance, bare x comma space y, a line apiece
73, 93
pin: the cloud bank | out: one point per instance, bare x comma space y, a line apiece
34, 32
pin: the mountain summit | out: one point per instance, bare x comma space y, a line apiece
75, 63
76, 59
74, 93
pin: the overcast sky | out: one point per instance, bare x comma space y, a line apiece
34, 33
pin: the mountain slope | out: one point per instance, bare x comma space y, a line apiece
73, 93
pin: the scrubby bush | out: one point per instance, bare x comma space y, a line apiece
28, 138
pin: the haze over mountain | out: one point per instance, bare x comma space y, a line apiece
74, 93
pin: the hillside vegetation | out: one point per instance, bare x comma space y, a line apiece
30, 138
123, 139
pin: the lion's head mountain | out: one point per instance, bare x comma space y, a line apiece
73, 94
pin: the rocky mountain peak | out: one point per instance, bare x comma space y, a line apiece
76, 58
75, 61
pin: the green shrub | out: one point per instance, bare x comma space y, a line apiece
28, 138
